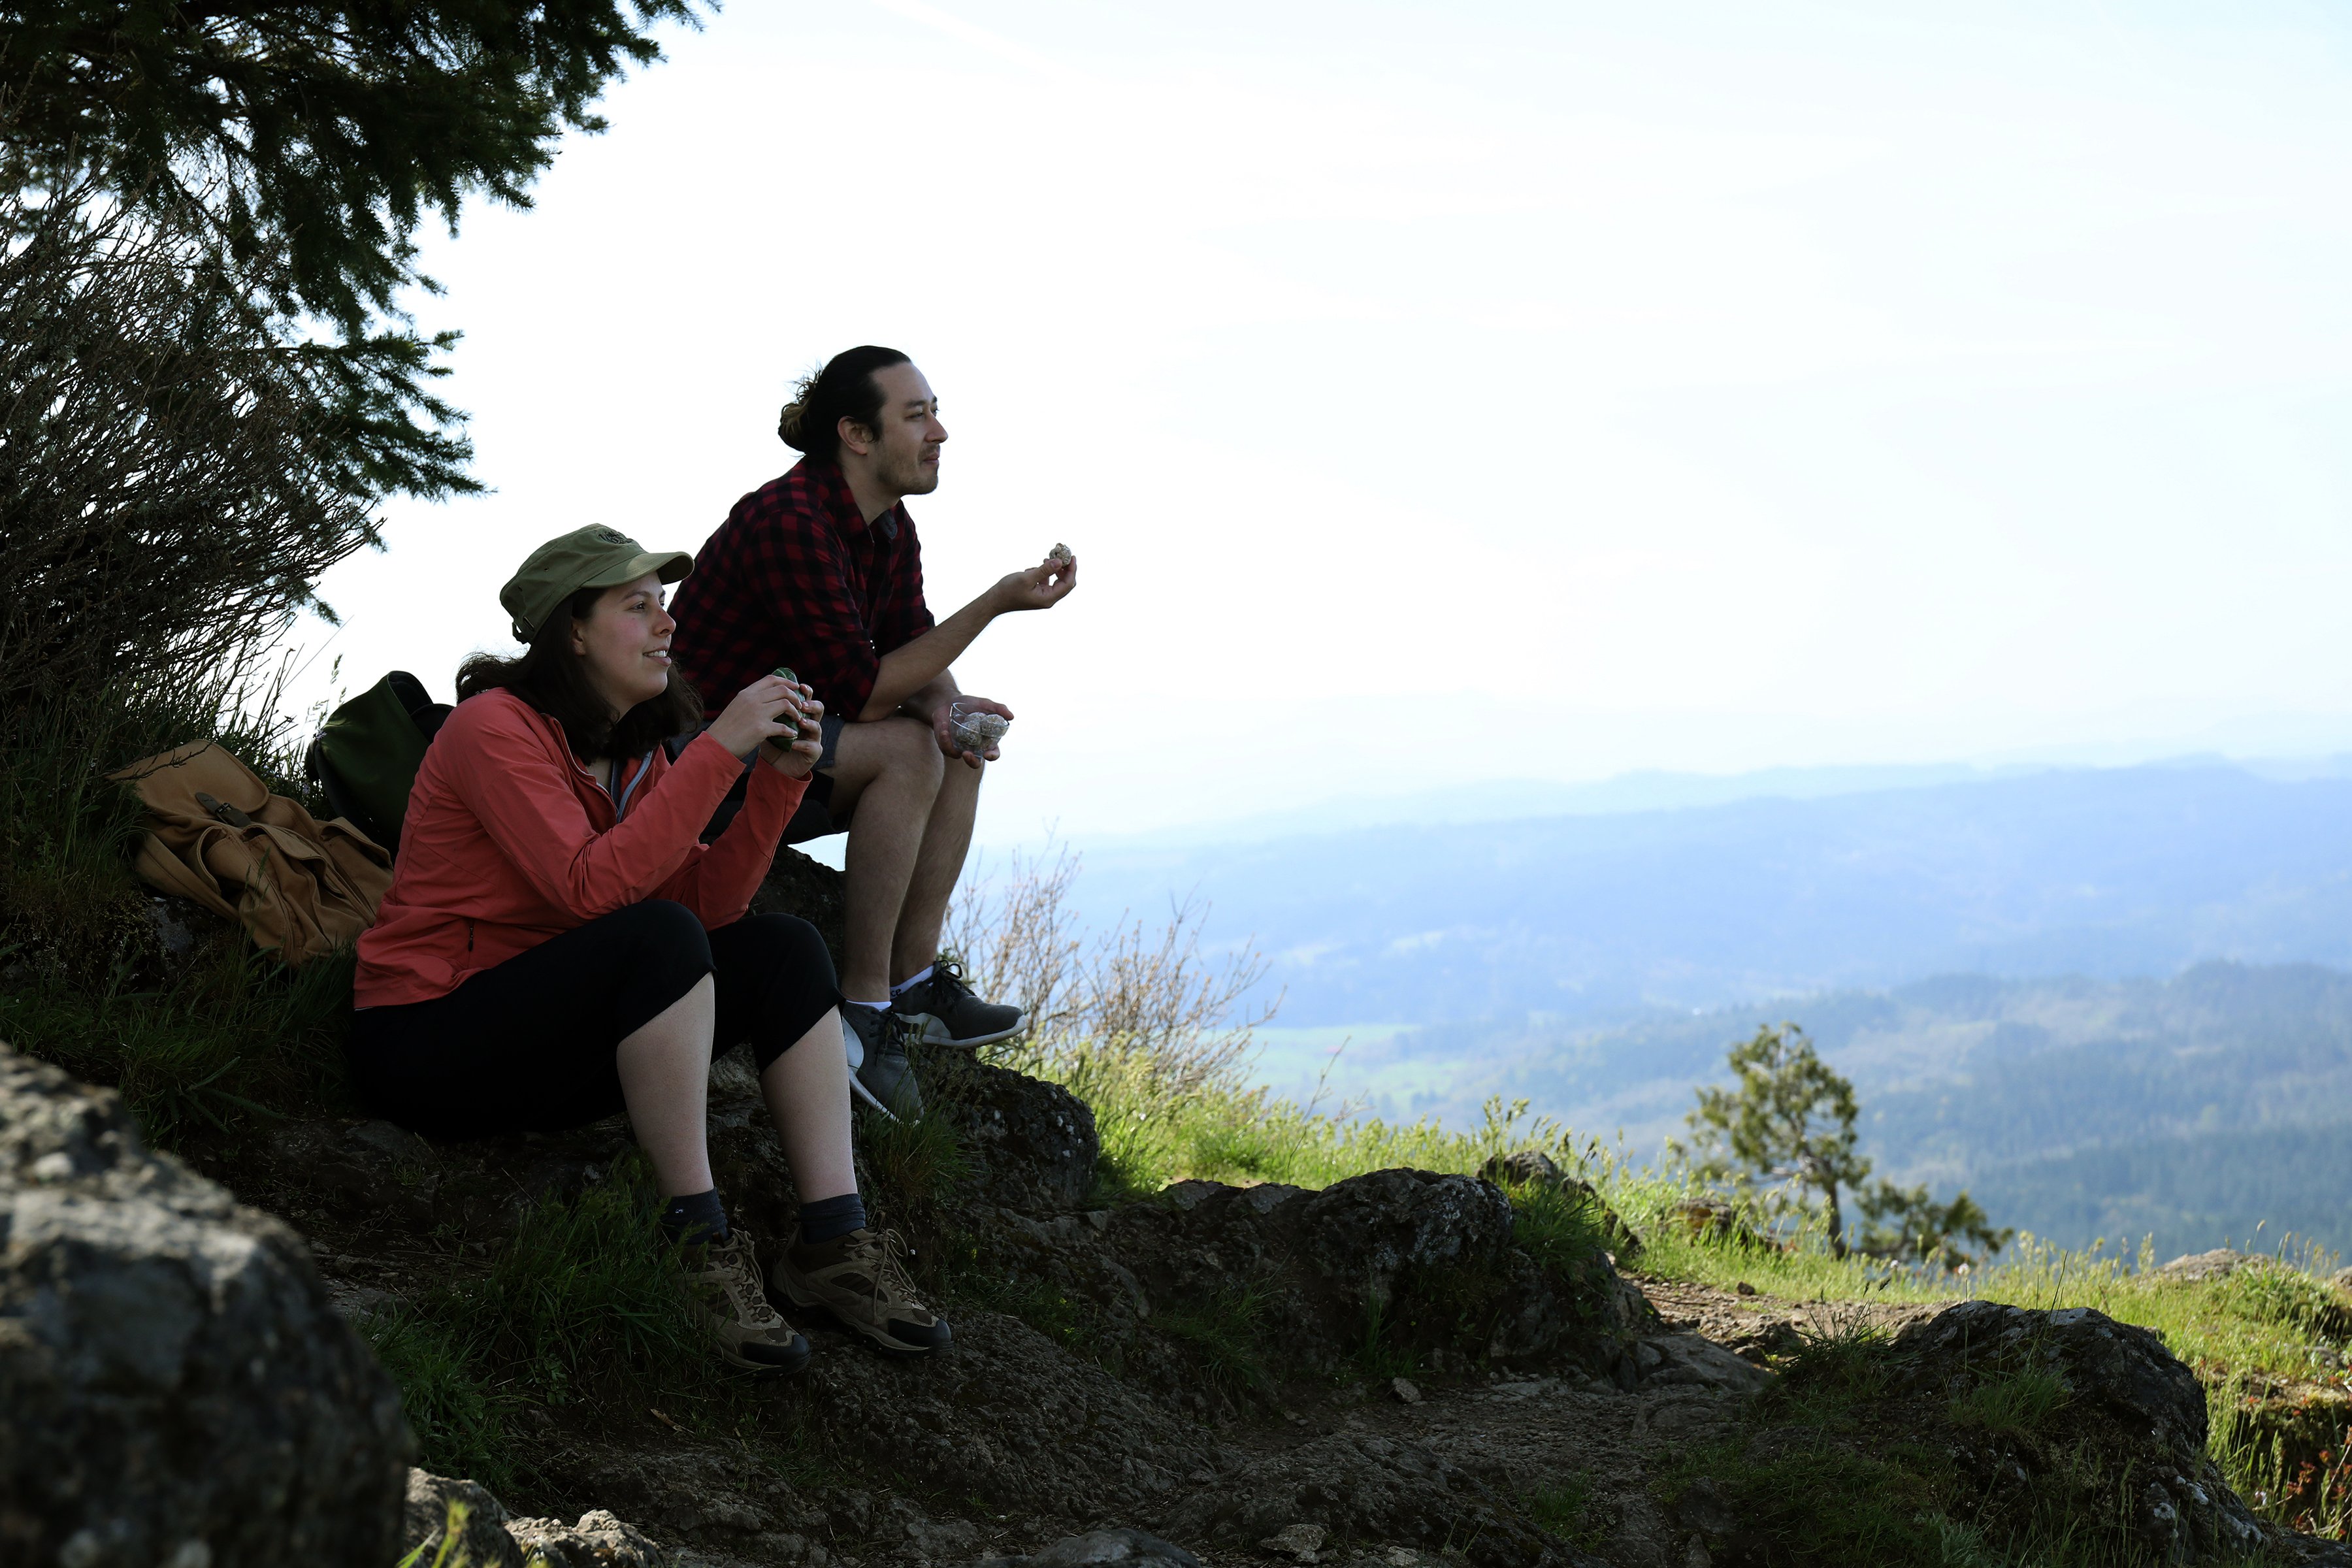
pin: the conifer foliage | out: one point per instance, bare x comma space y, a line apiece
207, 382
1783, 1133
319, 132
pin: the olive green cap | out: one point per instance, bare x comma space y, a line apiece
591, 557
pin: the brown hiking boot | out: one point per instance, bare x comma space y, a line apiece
722, 1282
860, 1280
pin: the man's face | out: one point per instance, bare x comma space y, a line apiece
905, 450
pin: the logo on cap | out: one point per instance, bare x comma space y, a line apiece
611, 536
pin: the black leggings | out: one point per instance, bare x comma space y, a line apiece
532, 1044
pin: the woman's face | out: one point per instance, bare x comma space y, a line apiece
624, 644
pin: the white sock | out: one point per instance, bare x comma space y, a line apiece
881, 1007
911, 982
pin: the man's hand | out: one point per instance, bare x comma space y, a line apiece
946, 732
1041, 587
795, 755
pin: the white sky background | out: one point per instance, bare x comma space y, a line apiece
1440, 392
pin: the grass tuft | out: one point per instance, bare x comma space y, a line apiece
1226, 1337
2015, 1406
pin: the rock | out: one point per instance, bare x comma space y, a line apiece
1533, 1167
178, 1387
1406, 1391
796, 885
1284, 1281
2191, 1269
1363, 1487
1704, 1509
1523, 1167
1745, 1288
715, 1501
598, 1541
1299, 1543
483, 1536
370, 1168
1102, 1549
1032, 1145
2142, 1412
1714, 1218
1687, 1361
1010, 1417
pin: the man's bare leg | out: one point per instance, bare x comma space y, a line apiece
938, 864
888, 775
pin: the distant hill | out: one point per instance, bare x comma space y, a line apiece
1585, 916
1599, 960
2192, 1108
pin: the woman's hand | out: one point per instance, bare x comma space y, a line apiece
795, 756
768, 708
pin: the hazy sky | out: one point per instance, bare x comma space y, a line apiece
1462, 391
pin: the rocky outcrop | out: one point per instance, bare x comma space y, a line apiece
1101, 1549
797, 885
477, 1520
1365, 1489
2137, 1413
176, 1387
1028, 1145
1534, 1168
1208, 1288
1015, 1420
2198, 1267
489, 1537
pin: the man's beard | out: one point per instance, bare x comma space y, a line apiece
914, 476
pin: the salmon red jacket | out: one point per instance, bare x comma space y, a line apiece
509, 840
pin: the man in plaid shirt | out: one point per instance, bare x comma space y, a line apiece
820, 570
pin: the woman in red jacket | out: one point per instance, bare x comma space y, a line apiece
559, 945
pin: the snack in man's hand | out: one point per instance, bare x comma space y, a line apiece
786, 671
975, 730
1061, 552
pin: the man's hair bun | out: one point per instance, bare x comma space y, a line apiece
789, 425
844, 389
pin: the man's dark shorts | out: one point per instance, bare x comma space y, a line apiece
815, 818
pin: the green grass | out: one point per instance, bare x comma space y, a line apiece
198, 1045
236, 1041
1563, 1509
581, 1309
2278, 1320
1225, 1338
2014, 1405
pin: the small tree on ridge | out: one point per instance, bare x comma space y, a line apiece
1788, 1122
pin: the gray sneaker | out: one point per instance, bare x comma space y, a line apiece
942, 1010
879, 1073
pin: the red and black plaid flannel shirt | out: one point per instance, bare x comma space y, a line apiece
796, 577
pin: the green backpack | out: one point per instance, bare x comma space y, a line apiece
367, 754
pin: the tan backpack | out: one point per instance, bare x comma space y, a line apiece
303, 888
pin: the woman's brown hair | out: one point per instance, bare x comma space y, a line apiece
554, 680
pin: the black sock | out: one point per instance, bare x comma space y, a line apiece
698, 1218
829, 1218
